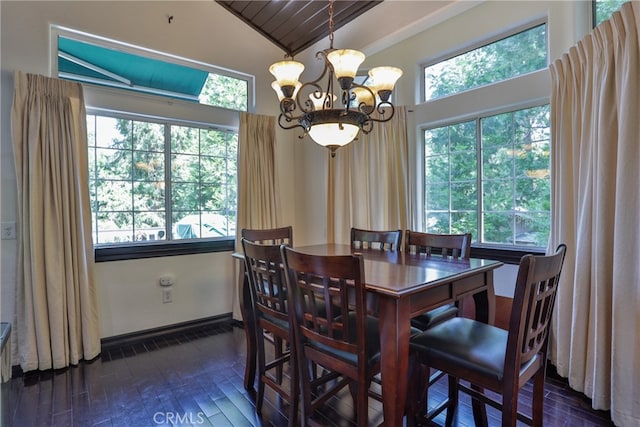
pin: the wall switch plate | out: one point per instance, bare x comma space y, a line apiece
166, 296
8, 230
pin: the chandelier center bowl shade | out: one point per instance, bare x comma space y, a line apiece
333, 109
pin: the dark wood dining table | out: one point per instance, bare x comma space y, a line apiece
405, 285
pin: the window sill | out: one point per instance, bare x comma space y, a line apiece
151, 250
508, 256
189, 247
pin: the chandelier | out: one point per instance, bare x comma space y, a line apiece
333, 116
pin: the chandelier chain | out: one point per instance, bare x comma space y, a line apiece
331, 24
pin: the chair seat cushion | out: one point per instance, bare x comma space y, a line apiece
373, 341
272, 319
468, 343
433, 317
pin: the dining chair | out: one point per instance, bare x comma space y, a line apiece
492, 358
271, 313
373, 239
340, 338
449, 246
265, 236
384, 240
270, 236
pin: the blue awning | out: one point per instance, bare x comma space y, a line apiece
94, 64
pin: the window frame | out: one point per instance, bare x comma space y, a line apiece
479, 177
133, 250
492, 38
115, 102
594, 10
521, 92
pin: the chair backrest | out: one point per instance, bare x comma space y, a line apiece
446, 245
373, 239
266, 279
533, 301
269, 236
319, 287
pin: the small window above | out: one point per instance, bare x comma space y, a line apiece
87, 62
517, 54
603, 9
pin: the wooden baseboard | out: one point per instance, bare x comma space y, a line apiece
140, 336
133, 338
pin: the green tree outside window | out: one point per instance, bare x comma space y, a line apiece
490, 175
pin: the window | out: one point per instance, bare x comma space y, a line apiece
162, 135
515, 55
490, 177
484, 132
603, 9
152, 181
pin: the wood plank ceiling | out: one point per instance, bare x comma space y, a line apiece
294, 25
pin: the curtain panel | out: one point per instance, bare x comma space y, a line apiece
258, 196
57, 321
368, 181
257, 190
595, 107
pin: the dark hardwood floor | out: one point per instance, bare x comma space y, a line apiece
195, 379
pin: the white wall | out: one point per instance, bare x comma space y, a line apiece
128, 291
130, 298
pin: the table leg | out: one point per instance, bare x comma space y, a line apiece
394, 357
249, 328
485, 301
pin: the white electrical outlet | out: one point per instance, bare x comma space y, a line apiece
166, 296
8, 230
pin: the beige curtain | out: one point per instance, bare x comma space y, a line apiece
258, 196
57, 320
595, 108
257, 190
368, 181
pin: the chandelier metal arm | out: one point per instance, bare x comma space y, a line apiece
315, 107
289, 122
362, 105
367, 127
313, 90
382, 112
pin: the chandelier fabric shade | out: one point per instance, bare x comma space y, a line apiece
334, 114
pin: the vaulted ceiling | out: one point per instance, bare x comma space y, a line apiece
294, 25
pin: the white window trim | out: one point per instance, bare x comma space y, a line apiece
516, 93
135, 246
103, 100
491, 38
